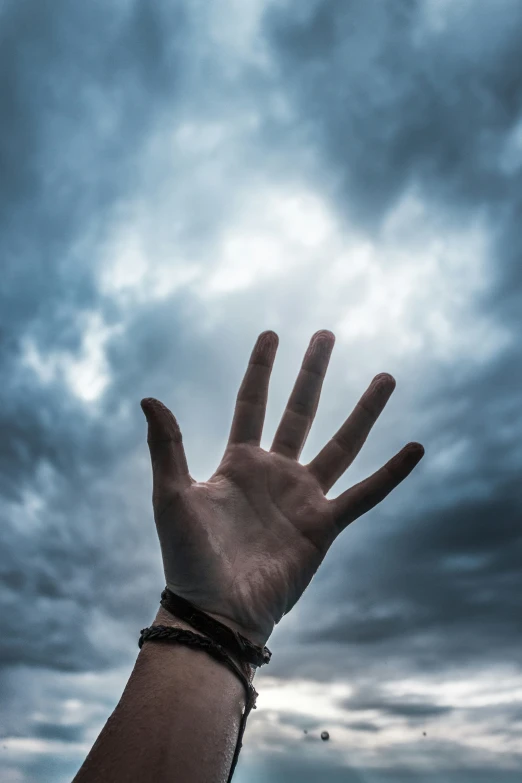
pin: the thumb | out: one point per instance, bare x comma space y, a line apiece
169, 463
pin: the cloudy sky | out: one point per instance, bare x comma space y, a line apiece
177, 177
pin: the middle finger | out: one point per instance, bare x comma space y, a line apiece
302, 405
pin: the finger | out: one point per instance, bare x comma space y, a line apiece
304, 399
250, 410
169, 463
341, 450
362, 497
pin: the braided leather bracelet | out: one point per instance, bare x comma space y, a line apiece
165, 633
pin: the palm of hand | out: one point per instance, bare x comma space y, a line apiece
244, 545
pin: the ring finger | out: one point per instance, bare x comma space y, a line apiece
302, 405
341, 450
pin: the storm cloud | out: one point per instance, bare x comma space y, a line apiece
176, 178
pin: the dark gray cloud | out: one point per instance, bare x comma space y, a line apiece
395, 95
312, 726
440, 589
389, 97
404, 708
59, 731
378, 98
362, 725
81, 90
293, 769
77, 105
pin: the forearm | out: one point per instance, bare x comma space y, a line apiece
178, 719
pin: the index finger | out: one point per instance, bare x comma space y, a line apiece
250, 410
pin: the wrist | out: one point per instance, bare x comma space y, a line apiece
256, 637
163, 617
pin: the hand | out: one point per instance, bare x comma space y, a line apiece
244, 545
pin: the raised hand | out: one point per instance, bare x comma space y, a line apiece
244, 545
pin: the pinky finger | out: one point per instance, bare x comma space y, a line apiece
367, 494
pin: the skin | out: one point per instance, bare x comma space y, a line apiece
244, 545
241, 546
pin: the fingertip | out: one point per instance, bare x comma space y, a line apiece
266, 346
268, 337
323, 334
270, 332
385, 379
413, 452
152, 408
146, 405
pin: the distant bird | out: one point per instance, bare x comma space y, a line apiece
305, 731
325, 735
424, 733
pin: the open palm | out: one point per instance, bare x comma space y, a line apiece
244, 545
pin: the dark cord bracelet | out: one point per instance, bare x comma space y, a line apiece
231, 640
164, 633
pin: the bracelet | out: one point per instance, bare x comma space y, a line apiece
164, 633
231, 640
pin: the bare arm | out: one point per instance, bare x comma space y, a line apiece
242, 547
177, 720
